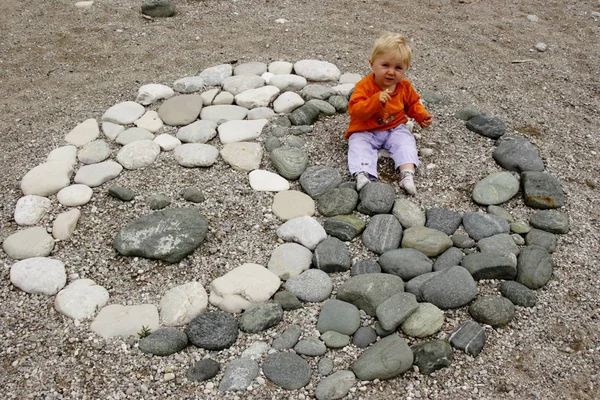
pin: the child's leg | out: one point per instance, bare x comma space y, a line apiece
403, 150
362, 154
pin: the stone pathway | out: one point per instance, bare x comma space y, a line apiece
424, 265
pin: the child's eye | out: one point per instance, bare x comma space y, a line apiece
399, 68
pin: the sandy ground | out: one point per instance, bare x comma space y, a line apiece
60, 65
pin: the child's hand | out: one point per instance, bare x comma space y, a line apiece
426, 122
384, 96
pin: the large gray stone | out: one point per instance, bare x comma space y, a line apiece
167, 235
534, 267
261, 316
450, 288
180, 110
492, 310
383, 233
550, 221
469, 337
491, 265
480, 225
376, 198
332, 255
430, 242
287, 370
164, 342
487, 125
368, 291
213, 330
496, 188
516, 153
335, 386
386, 359
289, 162
338, 316
337, 201
542, 190
317, 180
239, 374
405, 263
431, 356
443, 219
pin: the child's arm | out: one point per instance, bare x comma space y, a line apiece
364, 106
415, 109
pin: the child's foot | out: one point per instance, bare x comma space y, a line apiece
361, 180
407, 182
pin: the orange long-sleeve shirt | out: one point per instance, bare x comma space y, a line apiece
367, 113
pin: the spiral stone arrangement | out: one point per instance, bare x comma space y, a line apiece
425, 264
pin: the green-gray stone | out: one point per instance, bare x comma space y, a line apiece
496, 188
431, 356
335, 340
290, 162
385, 359
534, 267
430, 242
541, 238
492, 310
344, 227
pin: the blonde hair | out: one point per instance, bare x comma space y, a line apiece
392, 42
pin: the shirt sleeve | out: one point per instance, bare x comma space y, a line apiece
413, 106
363, 105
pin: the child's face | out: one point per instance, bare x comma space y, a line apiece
389, 69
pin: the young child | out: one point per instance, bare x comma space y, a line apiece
378, 108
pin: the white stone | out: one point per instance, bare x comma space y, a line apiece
150, 121
64, 154
281, 67
124, 113
28, 243
241, 287
292, 204
287, 82
260, 97
112, 130
250, 68
134, 134
197, 132
31, 209
260, 113
189, 84
96, 174
39, 275
267, 77
183, 303
240, 83
167, 142
75, 195
65, 223
117, 320
81, 299
223, 113
349, 77
541, 47
83, 133
243, 156
94, 152
305, 230
317, 71
216, 96
153, 92
85, 5
533, 18
343, 89
47, 178
287, 102
256, 350
238, 131
138, 154
195, 155
214, 76
266, 181
290, 259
